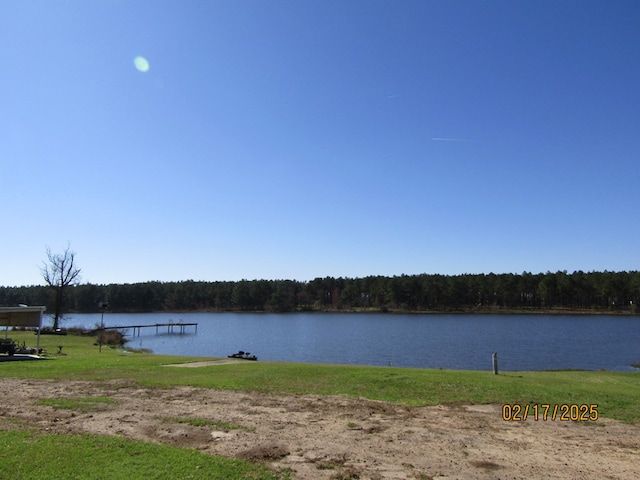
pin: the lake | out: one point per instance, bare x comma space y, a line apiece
464, 342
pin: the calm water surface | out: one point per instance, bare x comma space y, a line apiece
523, 342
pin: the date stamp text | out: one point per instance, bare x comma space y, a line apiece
566, 412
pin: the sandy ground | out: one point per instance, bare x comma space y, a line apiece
319, 437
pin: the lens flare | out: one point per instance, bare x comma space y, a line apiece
141, 63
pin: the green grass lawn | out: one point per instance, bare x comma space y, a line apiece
34, 456
617, 394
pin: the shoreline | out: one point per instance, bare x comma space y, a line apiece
478, 311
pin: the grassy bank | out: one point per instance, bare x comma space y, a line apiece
33, 456
616, 393
89, 456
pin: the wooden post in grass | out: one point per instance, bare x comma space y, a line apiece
494, 360
103, 306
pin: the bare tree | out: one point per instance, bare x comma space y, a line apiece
60, 272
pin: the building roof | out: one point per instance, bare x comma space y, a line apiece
22, 316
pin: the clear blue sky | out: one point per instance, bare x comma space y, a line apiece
296, 139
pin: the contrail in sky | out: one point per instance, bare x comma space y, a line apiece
440, 139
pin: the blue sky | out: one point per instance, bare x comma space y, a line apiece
301, 139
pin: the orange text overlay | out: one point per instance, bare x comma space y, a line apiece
566, 412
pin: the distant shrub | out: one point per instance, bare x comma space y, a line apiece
111, 338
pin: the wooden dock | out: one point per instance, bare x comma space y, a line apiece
171, 327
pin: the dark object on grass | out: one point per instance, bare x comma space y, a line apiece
52, 331
243, 356
11, 348
25, 350
7, 346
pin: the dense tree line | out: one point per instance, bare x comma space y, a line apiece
593, 291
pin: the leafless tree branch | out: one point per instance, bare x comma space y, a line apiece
59, 272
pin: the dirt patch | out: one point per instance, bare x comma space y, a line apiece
263, 453
331, 437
